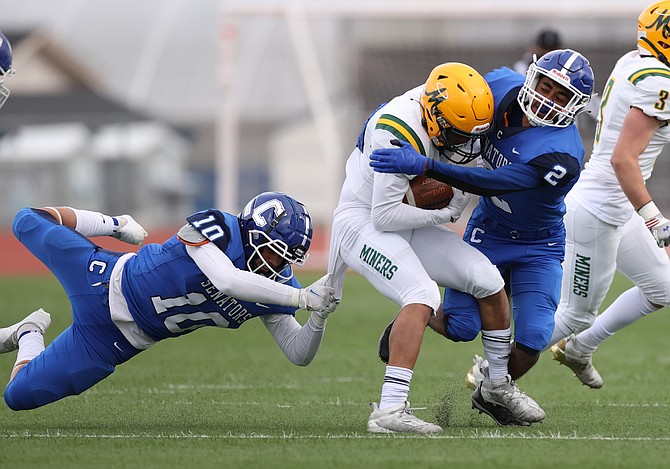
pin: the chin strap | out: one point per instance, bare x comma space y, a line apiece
660, 56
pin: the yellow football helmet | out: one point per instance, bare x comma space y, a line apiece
457, 110
653, 31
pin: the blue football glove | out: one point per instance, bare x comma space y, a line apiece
404, 159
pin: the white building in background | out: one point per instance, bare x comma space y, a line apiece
285, 76
64, 142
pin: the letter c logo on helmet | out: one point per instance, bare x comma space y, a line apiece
275, 221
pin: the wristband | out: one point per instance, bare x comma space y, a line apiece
649, 211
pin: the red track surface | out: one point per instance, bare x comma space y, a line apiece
15, 259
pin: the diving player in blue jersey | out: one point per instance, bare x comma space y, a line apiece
218, 270
533, 157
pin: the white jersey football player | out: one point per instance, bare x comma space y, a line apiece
403, 251
612, 222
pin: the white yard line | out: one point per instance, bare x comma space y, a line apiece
484, 435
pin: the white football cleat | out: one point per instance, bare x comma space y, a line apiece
9, 338
501, 415
580, 363
129, 230
475, 374
398, 418
505, 393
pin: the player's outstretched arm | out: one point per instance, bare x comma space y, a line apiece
248, 286
90, 224
475, 180
300, 343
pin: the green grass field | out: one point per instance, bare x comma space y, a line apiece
224, 398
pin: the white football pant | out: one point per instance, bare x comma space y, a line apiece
594, 250
407, 266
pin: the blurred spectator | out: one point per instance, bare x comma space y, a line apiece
546, 41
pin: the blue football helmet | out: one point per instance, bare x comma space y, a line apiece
569, 69
278, 222
6, 68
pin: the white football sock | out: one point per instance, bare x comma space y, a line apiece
92, 224
497, 348
396, 386
31, 344
630, 306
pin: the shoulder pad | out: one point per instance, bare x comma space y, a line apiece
187, 234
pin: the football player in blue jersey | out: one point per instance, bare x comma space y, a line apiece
533, 157
6, 67
218, 270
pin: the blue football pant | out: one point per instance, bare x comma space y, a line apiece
535, 281
87, 351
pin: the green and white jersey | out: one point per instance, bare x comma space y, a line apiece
399, 119
641, 82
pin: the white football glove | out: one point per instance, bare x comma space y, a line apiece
442, 215
129, 230
458, 203
318, 297
661, 233
658, 225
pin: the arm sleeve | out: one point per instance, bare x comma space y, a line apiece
513, 177
238, 283
299, 343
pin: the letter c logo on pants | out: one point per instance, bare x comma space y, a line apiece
473, 236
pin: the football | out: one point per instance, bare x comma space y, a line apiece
428, 193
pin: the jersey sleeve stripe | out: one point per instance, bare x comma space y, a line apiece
401, 130
648, 72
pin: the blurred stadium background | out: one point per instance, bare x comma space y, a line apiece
162, 107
